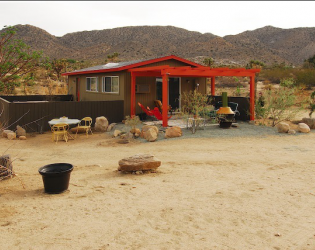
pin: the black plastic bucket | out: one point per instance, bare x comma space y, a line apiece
56, 177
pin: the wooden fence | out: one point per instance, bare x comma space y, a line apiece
33, 113
243, 105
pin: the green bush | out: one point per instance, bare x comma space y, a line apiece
306, 77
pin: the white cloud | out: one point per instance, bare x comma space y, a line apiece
219, 18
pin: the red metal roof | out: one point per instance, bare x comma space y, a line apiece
125, 66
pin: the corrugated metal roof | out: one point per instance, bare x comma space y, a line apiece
111, 65
127, 65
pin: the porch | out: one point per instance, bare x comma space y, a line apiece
166, 72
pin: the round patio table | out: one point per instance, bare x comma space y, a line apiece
67, 121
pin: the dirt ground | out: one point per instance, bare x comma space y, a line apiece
249, 192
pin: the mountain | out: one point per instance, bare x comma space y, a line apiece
268, 44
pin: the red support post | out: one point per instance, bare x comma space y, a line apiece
133, 95
213, 85
252, 98
164, 99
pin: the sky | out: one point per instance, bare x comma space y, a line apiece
217, 17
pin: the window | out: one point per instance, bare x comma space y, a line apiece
91, 84
110, 84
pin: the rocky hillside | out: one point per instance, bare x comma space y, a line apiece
268, 44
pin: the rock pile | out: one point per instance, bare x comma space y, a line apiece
285, 128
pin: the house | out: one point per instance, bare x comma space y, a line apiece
112, 81
145, 80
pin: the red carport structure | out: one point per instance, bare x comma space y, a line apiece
165, 72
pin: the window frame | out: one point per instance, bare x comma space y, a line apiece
103, 84
89, 90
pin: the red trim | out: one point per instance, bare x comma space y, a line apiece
134, 65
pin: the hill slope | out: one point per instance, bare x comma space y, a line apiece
267, 44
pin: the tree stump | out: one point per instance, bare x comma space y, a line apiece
6, 167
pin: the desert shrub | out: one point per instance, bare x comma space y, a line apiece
194, 103
306, 77
132, 121
275, 75
279, 105
312, 104
287, 82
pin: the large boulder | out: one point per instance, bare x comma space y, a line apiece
6, 132
283, 127
20, 131
173, 132
139, 162
150, 135
303, 128
11, 136
145, 128
310, 122
101, 124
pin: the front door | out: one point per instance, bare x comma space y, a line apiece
173, 91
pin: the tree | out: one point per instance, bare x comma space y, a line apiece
58, 65
16, 61
310, 62
209, 61
255, 64
113, 57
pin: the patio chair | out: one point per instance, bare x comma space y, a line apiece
60, 129
155, 112
85, 124
159, 105
146, 110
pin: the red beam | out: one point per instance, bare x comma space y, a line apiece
164, 99
252, 98
133, 95
213, 85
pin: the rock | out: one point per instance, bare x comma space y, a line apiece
139, 162
6, 132
304, 128
146, 128
127, 136
101, 124
11, 136
117, 132
283, 127
173, 132
150, 135
110, 126
135, 131
20, 131
310, 122
22, 137
291, 132
122, 141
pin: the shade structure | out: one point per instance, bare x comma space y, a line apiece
166, 71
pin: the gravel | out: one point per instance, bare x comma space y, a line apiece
239, 129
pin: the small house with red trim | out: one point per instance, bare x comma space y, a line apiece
164, 78
112, 81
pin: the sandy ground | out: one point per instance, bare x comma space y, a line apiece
248, 192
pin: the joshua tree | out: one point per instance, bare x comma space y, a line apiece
209, 61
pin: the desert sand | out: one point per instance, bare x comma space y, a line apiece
250, 192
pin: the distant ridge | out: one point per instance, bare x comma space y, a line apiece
268, 44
